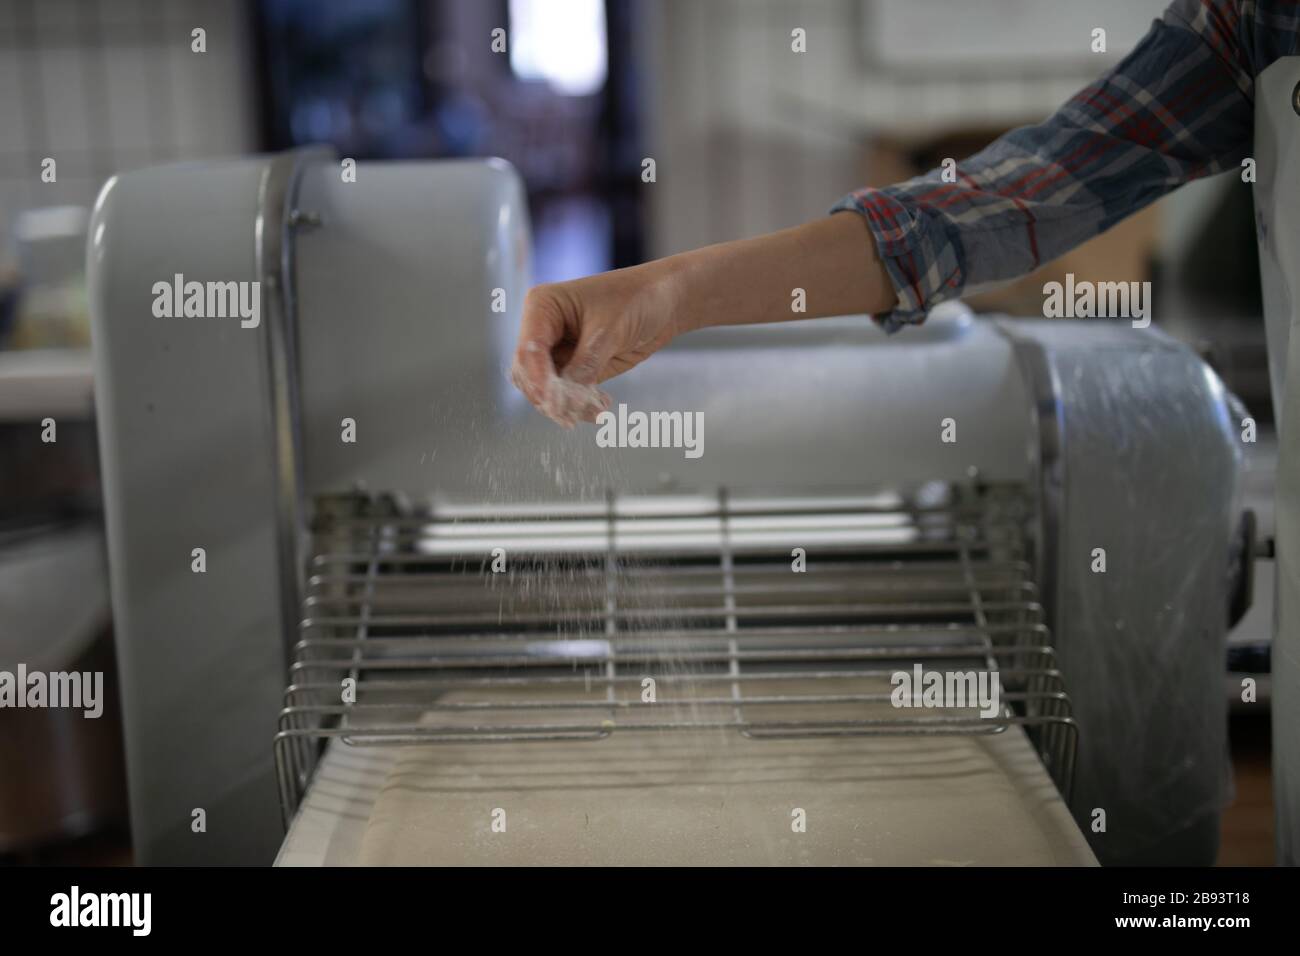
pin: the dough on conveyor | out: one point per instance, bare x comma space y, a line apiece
717, 798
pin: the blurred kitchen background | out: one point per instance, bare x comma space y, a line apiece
747, 138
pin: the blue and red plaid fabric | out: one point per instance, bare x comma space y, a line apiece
1178, 107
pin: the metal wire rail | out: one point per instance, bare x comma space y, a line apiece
571, 622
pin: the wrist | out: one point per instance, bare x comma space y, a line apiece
678, 287
665, 292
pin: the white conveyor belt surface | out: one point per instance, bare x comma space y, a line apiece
688, 799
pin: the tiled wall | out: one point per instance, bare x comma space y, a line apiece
108, 85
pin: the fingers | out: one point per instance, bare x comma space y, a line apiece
567, 394
532, 371
541, 332
582, 371
603, 404
541, 340
592, 354
573, 396
568, 402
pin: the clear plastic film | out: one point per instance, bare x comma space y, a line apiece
1138, 491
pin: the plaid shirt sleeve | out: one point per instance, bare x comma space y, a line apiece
1178, 107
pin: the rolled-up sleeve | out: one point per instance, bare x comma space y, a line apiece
1178, 107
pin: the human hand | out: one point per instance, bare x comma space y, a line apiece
578, 334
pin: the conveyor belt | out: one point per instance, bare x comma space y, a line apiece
688, 798
765, 617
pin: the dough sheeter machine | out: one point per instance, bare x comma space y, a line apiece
429, 626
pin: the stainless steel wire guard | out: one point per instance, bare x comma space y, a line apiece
451, 623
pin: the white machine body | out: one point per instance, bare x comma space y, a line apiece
389, 307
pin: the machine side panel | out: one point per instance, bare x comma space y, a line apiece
1147, 470
185, 442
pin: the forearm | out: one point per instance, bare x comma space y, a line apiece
832, 260
1139, 131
